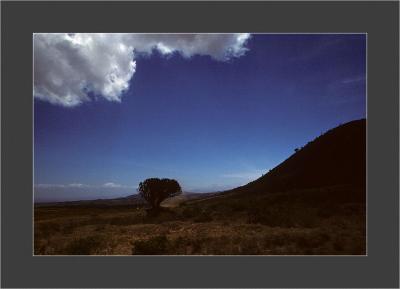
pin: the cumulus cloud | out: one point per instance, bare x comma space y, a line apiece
69, 66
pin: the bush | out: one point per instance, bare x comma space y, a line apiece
83, 246
189, 212
203, 217
46, 229
238, 206
152, 246
161, 216
273, 217
283, 216
125, 220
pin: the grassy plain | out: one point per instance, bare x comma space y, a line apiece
321, 221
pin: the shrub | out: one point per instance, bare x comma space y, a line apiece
46, 229
273, 217
338, 245
238, 206
83, 246
125, 220
190, 212
153, 246
203, 217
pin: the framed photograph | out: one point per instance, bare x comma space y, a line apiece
143, 139
200, 158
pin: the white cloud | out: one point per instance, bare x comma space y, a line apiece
113, 185
353, 79
77, 185
212, 188
49, 186
68, 66
245, 175
77, 191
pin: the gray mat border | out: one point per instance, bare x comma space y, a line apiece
21, 19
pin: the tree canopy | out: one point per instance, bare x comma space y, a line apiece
155, 190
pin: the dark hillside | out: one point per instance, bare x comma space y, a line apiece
337, 157
317, 207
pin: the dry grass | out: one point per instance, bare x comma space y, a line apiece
301, 223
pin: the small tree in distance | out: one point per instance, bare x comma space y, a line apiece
155, 190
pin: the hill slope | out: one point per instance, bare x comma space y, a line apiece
317, 207
337, 157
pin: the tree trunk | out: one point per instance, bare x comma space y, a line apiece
156, 204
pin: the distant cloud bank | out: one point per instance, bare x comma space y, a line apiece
77, 191
68, 67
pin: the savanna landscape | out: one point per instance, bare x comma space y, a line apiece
314, 203
199, 144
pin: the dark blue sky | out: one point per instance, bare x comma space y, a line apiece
209, 124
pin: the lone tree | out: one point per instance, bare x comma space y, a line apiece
155, 190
